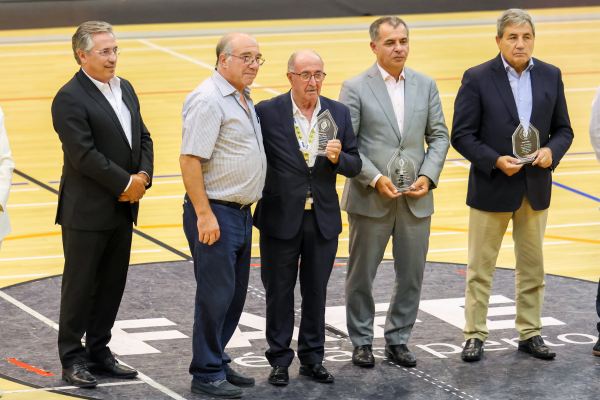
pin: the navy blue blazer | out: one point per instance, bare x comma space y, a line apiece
485, 117
280, 211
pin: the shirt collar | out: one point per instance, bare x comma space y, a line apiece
225, 87
115, 81
296, 110
507, 67
385, 74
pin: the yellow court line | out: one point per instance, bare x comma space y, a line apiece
33, 235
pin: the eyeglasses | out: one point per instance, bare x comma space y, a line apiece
305, 76
249, 60
106, 52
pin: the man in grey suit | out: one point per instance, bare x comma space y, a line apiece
394, 110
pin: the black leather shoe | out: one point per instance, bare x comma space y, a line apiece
536, 347
279, 376
473, 350
363, 356
597, 348
111, 367
400, 354
237, 379
78, 375
221, 389
316, 372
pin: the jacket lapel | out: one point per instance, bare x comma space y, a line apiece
135, 122
537, 91
501, 81
287, 122
380, 92
411, 86
95, 93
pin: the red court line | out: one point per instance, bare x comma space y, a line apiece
265, 87
28, 367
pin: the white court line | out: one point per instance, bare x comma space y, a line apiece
23, 190
146, 251
60, 256
163, 182
23, 276
200, 63
50, 323
73, 387
33, 204
577, 173
567, 225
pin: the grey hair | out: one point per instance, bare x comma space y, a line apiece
82, 39
513, 16
292, 60
390, 19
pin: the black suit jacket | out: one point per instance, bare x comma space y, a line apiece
279, 213
485, 117
98, 160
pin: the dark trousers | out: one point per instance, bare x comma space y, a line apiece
598, 306
96, 264
279, 271
222, 270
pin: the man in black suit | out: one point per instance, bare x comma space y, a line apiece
299, 213
108, 163
511, 91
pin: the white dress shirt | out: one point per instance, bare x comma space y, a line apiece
595, 124
7, 165
113, 93
396, 92
305, 128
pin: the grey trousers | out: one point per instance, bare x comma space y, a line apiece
368, 240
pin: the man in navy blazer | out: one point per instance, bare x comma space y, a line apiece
495, 98
299, 213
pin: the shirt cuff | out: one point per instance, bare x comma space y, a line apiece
129, 184
145, 173
374, 181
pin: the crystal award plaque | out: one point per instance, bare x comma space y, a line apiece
402, 171
327, 131
526, 144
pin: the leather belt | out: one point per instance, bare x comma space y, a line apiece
231, 204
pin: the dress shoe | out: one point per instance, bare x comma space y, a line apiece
238, 379
279, 376
316, 372
221, 389
78, 375
111, 367
597, 348
473, 350
400, 354
536, 347
363, 356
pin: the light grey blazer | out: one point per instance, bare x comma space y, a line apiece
378, 138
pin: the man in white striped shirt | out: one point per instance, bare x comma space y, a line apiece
224, 166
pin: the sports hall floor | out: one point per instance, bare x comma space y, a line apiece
165, 62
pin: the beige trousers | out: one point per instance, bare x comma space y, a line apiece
486, 230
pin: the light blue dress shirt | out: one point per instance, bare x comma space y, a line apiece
521, 88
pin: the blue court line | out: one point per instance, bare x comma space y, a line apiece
589, 196
18, 184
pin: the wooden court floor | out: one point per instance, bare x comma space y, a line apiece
164, 70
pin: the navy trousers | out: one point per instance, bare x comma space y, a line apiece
279, 272
222, 272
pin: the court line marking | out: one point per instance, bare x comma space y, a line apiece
23, 190
53, 325
197, 62
72, 387
23, 276
61, 256
504, 246
589, 196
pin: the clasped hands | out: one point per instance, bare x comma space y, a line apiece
136, 190
387, 189
510, 165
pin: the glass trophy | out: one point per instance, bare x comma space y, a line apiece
526, 144
402, 171
327, 131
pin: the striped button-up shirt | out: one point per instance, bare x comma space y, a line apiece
227, 137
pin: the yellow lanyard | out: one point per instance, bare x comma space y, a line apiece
305, 147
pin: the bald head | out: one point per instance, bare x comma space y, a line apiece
303, 56
228, 43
